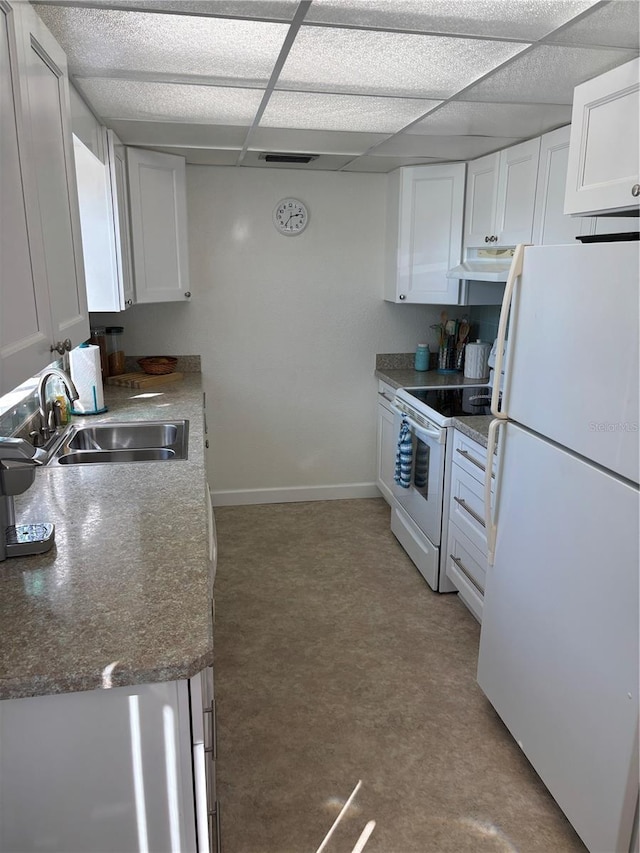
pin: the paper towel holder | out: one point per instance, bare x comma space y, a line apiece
82, 390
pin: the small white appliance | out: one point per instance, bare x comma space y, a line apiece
559, 639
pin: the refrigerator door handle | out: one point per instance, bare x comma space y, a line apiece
490, 524
514, 271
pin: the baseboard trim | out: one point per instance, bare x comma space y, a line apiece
239, 497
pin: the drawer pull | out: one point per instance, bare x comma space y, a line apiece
466, 455
213, 749
465, 572
214, 815
468, 509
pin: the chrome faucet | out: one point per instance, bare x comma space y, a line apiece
72, 393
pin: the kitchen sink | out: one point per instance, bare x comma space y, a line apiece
122, 442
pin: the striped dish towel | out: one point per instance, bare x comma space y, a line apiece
404, 456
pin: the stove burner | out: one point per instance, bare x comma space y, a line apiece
454, 402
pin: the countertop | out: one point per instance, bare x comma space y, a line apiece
123, 596
474, 427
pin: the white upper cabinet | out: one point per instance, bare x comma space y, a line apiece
500, 197
117, 159
424, 233
42, 293
44, 92
25, 319
157, 194
604, 155
550, 223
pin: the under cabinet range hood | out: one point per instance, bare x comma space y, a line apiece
486, 265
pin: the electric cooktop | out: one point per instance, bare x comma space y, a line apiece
454, 402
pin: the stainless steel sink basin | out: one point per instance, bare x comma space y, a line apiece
121, 442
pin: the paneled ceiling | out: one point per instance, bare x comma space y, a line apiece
365, 85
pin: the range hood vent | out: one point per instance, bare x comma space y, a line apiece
287, 158
484, 265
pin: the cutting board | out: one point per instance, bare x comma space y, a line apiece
143, 380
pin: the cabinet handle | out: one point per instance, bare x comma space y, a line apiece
468, 509
486, 239
402, 297
213, 749
129, 302
187, 294
465, 572
214, 815
206, 443
494, 239
61, 346
466, 455
635, 190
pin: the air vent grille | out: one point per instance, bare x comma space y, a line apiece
287, 158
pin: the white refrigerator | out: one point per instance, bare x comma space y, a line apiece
559, 639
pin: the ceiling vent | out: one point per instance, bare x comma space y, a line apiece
287, 158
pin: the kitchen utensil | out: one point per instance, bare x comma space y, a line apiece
463, 333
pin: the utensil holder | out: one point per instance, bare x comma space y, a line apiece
447, 359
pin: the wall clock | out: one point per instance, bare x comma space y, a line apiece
290, 217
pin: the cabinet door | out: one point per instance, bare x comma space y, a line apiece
604, 155
122, 226
45, 92
96, 219
550, 223
387, 440
25, 321
429, 233
480, 203
516, 193
157, 193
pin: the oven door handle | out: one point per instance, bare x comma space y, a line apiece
434, 432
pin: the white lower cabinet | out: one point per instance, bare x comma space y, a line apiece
120, 769
386, 443
466, 554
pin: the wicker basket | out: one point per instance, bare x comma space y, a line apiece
158, 365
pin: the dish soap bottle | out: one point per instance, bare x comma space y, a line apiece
421, 361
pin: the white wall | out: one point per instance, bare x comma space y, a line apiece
288, 329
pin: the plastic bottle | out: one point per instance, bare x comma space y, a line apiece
421, 361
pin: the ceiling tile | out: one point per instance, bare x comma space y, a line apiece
326, 162
528, 20
202, 156
271, 9
615, 25
99, 42
547, 74
314, 141
444, 147
317, 111
465, 118
371, 163
130, 99
377, 63
149, 133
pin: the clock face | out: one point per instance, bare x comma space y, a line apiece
290, 216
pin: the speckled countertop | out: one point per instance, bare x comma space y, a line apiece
474, 427
123, 596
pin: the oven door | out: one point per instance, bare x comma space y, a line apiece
423, 499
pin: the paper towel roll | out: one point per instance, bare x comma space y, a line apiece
84, 366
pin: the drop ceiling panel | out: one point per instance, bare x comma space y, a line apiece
614, 25
528, 20
129, 99
327, 162
176, 134
98, 42
314, 141
271, 9
547, 74
317, 111
443, 147
477, 119
371, 163
379, 63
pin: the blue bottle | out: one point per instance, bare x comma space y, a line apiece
422, 357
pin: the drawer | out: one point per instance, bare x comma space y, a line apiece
470, 456
466, 568
466, 506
